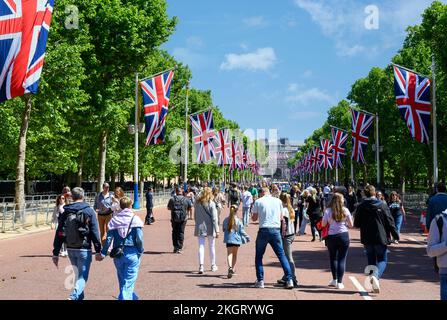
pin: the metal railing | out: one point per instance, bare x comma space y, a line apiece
39, 209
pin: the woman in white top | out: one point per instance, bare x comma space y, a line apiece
117, 196
61, 201
339, 219
288, 216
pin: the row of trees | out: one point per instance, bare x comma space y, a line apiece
402, 159
76, 127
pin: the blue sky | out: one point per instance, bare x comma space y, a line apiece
282, 64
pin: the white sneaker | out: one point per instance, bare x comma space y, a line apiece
333, 283
375, 284
214, 268
201, 269
259, 284
340, 286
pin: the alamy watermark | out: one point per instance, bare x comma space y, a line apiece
372, 20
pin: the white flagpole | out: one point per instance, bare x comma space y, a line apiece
435, 127
377, 151
185, 172
136, 203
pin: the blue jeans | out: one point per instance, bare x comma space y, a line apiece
338, 245
81, 261
127, 271
246, 215
398, 220
273, 237
443, 282
377, 256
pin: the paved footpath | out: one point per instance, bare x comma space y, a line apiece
27, 271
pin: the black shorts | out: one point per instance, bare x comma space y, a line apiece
230, 245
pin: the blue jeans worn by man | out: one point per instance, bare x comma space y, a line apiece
273, 237
246, 215
80, 260
377, 256
127, 270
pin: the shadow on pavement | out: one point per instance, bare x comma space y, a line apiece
156, 252
38, 256
172, 271
246, 285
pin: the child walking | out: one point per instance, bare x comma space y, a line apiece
234, 237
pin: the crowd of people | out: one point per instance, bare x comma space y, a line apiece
114, 230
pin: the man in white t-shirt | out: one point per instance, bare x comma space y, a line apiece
268, 210
247, 200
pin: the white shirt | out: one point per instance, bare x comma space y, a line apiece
247, 199
290, 226
269, 210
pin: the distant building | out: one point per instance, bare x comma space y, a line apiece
286, 150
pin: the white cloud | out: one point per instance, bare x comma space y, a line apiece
261, 59
344, 22
255, 22
298, 95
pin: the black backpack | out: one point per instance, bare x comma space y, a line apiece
76, 229
234, 197
178, 209
440, 223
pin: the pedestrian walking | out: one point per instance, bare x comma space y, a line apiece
126, 234
78, 228
247, 201
179, 207
103, 207
268, 210
220, 201
295, 198
116, 197
314, 212
437, 248
351, 199
288, 235
275, 191
376, 225
149, 207
339, 219
234, 195
58, 210
234, 237
305, 217
397, 212
437, 203
206, 227
191, 195
254, 192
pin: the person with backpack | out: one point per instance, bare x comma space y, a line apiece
247, 201
376, 224
234, 237
206, 226
314, 212
437, 249
149, 207
234, 196
436, 204
339, 220
179, 206
78, 228
103, 207
126, 234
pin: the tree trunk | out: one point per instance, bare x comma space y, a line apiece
102, 160
80, 169
21, 155
112, 180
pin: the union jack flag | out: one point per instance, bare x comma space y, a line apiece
338, 148
361, 126
315, 158
24, 30
326, 154
203, 135
236, 155
156, 92
413, 99
309, 163
222, 147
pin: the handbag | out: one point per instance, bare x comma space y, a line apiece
324, 231
118, 252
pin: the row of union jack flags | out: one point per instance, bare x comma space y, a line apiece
218, 146
412, 93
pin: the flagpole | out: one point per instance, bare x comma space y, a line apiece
185, 169
136, 202
159, 73
352, 171
377, 151
336, 176
435, 127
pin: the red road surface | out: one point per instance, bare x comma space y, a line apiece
27, 271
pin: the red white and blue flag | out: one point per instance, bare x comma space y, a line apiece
361, 127
222, 147
236, 155
203, 135
413, 99
156, 92
338, 148
325, 154
24, 30
315, 158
